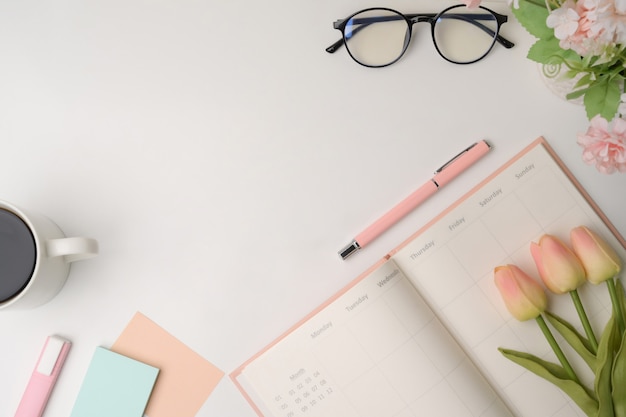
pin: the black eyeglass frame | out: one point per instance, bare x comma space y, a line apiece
413, 18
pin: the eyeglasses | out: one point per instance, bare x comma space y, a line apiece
377, 37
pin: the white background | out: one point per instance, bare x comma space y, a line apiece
222, 158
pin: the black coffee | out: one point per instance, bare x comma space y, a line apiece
17, 255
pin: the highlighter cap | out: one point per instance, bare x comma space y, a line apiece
44, 377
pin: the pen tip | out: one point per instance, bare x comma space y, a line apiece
349, 250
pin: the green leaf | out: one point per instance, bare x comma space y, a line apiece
619, 365
602, 386
548, 51
602, 97
621, 298
545, 50
571, 56
618, 379
577, 341
557, 376
576, 94
584, 80
533, 17
571, 73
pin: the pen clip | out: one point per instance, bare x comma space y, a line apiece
454, 158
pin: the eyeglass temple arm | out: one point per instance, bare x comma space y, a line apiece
471, 18
363, 22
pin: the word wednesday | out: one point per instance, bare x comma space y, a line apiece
387, 278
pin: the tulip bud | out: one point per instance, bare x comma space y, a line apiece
558, 267
522, 295
598, 258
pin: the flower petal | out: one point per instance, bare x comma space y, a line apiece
522, 295
599, 259
557, 265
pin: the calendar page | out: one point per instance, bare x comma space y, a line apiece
418, 334
376, 351
451, 262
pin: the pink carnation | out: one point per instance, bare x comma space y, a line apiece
605, 146
573, 23
589, 27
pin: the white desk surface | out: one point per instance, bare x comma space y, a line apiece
222, 158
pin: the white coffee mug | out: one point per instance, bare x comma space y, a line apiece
35, 257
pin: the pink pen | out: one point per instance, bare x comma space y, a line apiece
44, 377
442, 176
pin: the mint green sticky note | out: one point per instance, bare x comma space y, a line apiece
114, 386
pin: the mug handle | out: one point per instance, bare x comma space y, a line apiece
72, 248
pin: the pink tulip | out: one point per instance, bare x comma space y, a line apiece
598, 258
558, 267
522, 295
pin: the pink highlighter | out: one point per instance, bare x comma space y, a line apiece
44, 377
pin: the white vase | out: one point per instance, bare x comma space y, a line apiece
554, 77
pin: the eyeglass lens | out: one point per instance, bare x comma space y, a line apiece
465, 35
376, 37
379, 37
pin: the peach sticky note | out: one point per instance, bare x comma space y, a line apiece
186, 379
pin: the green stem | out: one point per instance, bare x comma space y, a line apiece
550, 5
556, 348
584, 320
541, 3
617, 308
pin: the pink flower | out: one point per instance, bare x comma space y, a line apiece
590, 27
558, 267
573, 25
564, 20
472, 4
522, 295
475, 3
609, 21
603, 146
599, 259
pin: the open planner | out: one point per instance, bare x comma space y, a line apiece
417, 334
